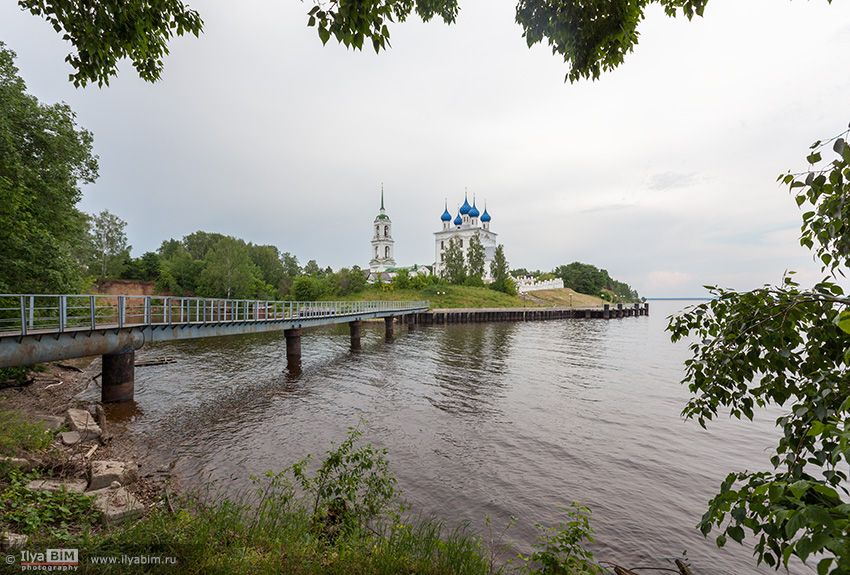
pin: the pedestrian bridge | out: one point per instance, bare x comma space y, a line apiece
36, 328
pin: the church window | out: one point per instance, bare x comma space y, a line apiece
387, 252
376, 251
386, 231
442, 244
461, 242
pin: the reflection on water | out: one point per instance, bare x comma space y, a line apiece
489, 419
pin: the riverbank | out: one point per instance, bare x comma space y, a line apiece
454, 296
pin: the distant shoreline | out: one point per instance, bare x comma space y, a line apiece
678, 299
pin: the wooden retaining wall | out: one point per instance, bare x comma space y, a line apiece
445, 316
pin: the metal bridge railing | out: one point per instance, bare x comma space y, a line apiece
21, 314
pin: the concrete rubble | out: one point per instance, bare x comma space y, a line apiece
116, 504
72, 485
9, 540
82, 422
104, 473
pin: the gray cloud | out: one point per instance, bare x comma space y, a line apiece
671, 180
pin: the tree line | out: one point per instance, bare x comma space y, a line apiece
586, 279
469, 269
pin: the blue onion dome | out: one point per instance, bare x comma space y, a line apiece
446, 217
485, 217
473, 211
464, 209
458, 220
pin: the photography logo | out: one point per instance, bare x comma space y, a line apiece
50, 560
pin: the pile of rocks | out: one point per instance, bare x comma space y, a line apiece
105, 480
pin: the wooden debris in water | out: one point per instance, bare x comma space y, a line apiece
157, 361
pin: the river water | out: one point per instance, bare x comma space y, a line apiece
498, 420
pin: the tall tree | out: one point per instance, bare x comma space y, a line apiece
109, 242
228, 271
312, 268
291, 270
199, 243
268, 261
475, 261
499, 271
454, 265
44, 158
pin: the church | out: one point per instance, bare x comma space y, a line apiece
469, 222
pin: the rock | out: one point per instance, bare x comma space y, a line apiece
72, 485
53, 422
9, 540
81, 420
104, 473
114, 485
116, 504
18, 462
71, 437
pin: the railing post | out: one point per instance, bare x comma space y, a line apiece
23, 316
32, 312
166, 304
121, 310
93, 312
147, 313
63, 312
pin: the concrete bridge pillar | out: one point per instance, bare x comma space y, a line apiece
117, 380
619, 310
646, 308
388, 327
354, 330
293, 349
606, 311
411, 322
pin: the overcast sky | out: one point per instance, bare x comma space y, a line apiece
662, 172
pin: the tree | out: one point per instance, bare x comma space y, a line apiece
44, 157
268, 261
291, 270
586, 278
109, 242
312, 269
228, 271
104, 32
788, 347
199, 243
591, 35
145, 268
401, 279
499, 272
179, 271
454, 266
475, 262
306, 288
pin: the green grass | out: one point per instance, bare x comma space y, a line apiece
343, 518
228, 538
442, 296
17, 435
46, 512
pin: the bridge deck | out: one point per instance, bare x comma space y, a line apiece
38, 328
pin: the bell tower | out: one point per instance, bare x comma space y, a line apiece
383, 246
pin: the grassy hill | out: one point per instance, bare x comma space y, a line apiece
565, 297
452, 296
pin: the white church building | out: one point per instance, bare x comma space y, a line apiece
469, 222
